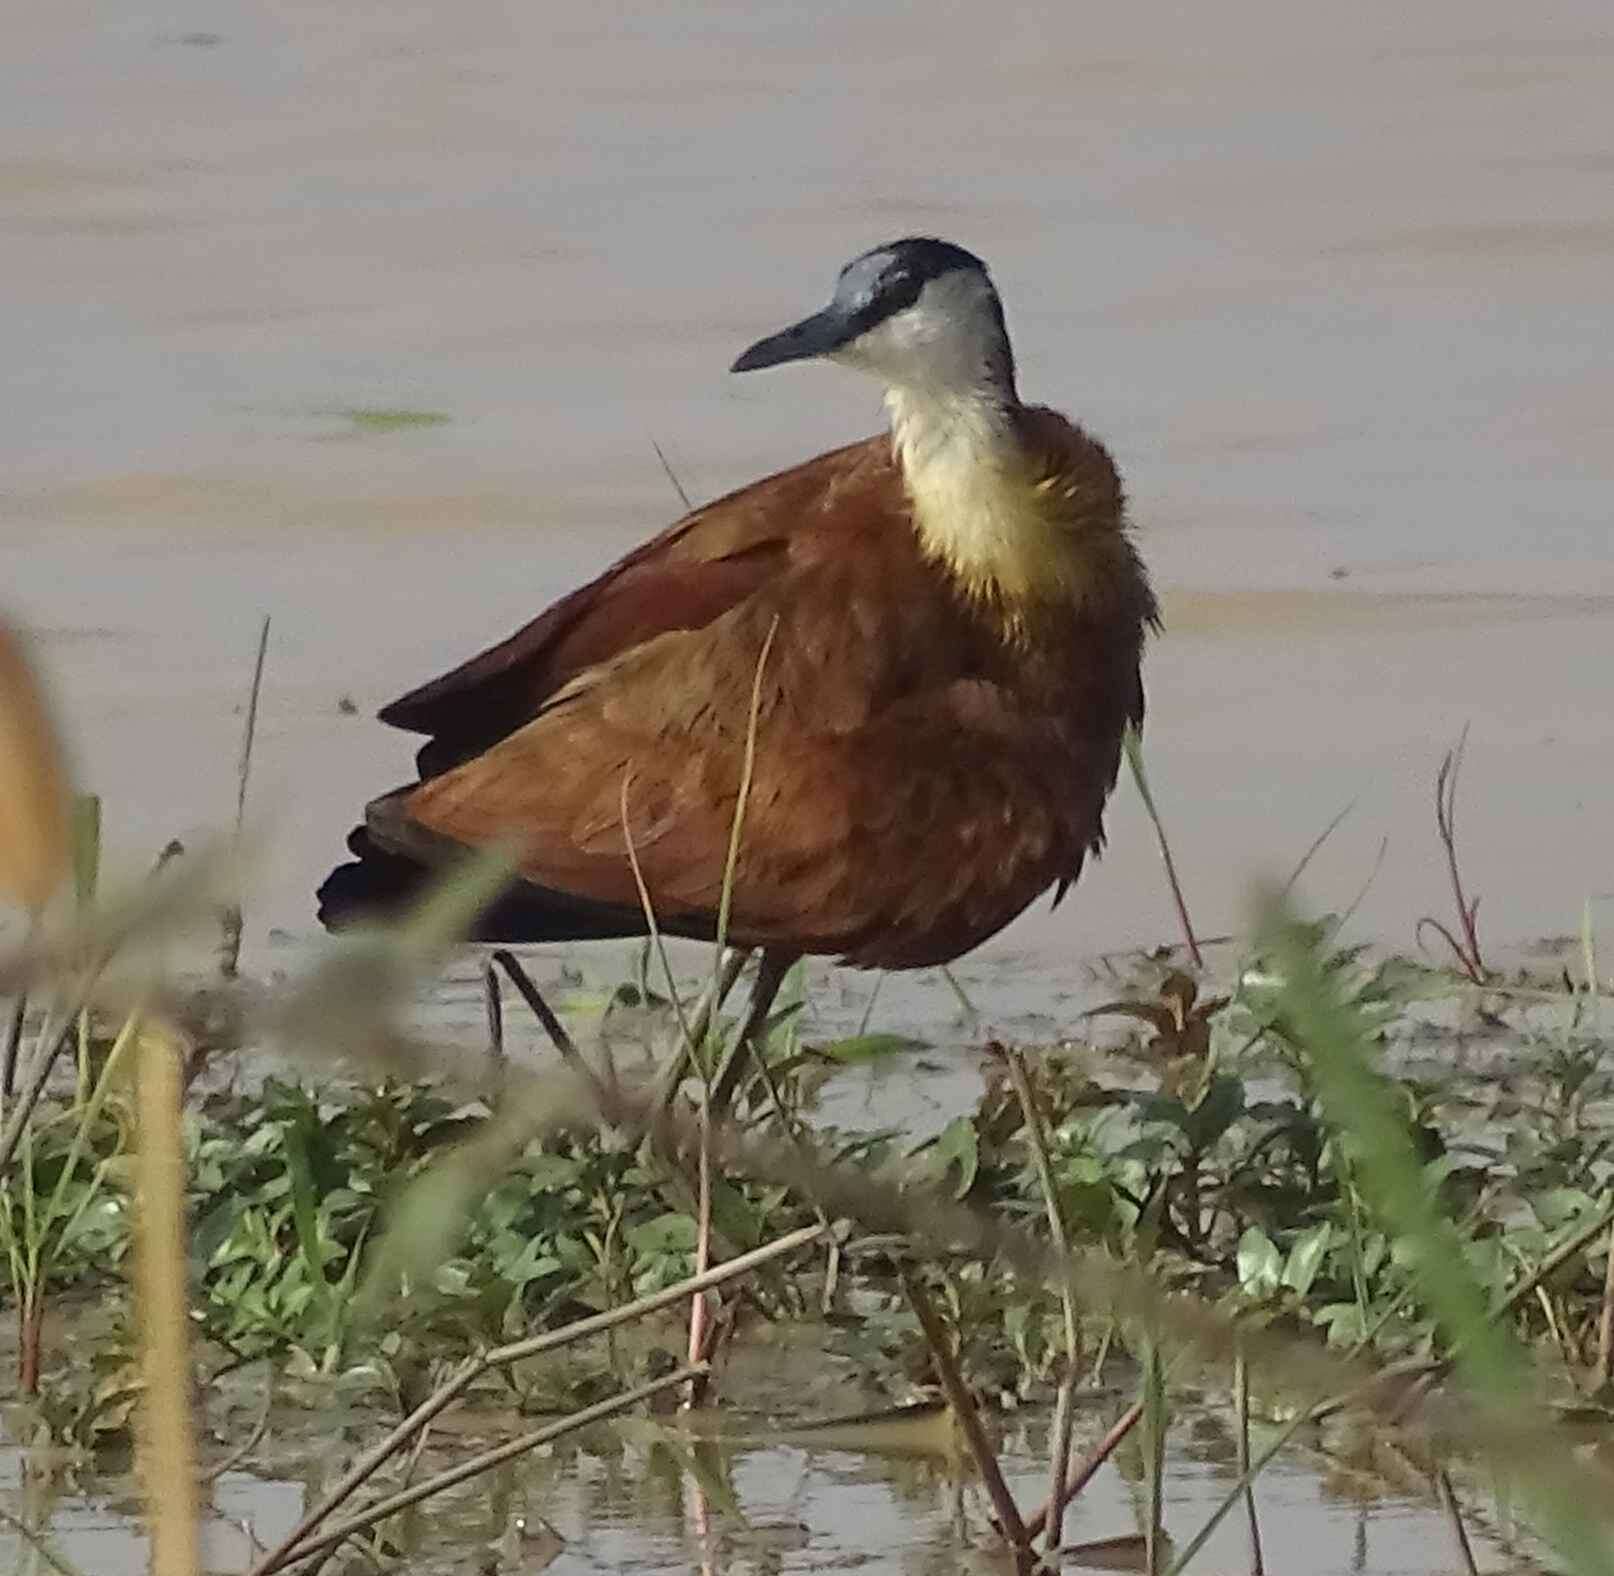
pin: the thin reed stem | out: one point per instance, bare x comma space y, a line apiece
1154, 1456
1241, 1403
484, 1462
1454, 1514
1059, 1461
519, 1351
231, 922
1133, 747
166, 1440
1605, 1322
694, 1031
40, 1547
672, 476
39, 1071
1314, 847
1464, 944
1100, 1453
969, 1418
8, 1065
1037, 1139
698, 1310
721, 1087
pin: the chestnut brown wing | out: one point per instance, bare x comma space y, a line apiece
903, 806
704, 564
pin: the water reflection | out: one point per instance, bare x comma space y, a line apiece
650, 1500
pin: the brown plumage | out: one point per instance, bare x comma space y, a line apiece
939, 709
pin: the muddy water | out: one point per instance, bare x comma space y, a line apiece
1336, 288
618, 1503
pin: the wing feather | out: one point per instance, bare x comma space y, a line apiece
697, 569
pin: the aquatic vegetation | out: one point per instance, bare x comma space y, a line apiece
1327, 1179
387, 418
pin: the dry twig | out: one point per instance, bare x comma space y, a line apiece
519, 1351
478, 1464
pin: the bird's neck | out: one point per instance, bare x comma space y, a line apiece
977, 504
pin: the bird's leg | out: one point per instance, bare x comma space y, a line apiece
494, 1003
545, 1014
700, 1025
770, 976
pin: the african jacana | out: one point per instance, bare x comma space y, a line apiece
949, 623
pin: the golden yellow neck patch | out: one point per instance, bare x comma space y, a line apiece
999, 520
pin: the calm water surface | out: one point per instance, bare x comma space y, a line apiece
619, 1501
1335, 287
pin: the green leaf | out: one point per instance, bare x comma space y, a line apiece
1306, 1258
957, 1144
670, 1233
1219, 1107
1260, 1265
856, 1049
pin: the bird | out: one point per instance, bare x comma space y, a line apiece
906, 666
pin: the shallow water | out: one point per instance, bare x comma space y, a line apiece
1334, 287
618, 1502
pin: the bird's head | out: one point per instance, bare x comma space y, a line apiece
920, 314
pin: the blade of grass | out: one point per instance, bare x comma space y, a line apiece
128, 1034
742, 799
1358, 1100
231, 920
713, 1089
868, 1006
1037, 1139
1132, 744
56, 1040
1315, 846
672, 476
305, 1220
965, 1005
693, 1032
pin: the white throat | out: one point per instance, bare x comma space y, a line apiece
976, 505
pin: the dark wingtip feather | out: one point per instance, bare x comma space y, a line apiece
373, 886
379, 885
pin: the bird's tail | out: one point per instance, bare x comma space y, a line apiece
379, 884
376, 885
